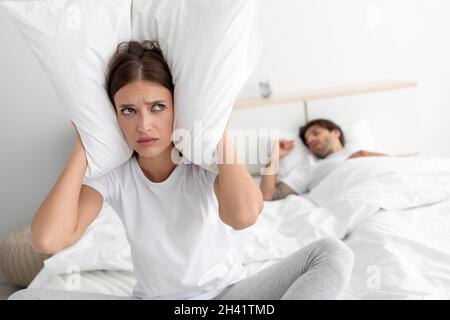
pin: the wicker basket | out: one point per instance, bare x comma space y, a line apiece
19, 262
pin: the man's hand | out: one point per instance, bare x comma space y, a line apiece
285, 146
364, 153
280, 149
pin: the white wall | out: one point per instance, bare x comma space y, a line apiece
315, 44
36, 136
307, 44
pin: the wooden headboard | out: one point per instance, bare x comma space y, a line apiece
305, 96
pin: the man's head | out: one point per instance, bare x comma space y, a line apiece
322, 137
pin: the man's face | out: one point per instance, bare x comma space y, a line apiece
322, 142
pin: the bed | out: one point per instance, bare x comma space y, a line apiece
394, 213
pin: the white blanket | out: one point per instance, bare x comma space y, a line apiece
402, 254
392, 212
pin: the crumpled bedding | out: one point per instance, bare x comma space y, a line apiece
394, 213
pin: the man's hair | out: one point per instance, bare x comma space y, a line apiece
323, 123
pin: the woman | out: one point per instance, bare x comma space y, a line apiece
176, 215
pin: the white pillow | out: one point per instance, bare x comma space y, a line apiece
212, 47
359, 136
74, 41
300, 154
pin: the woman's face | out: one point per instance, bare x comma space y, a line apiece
145, 111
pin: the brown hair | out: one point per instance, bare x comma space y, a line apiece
134, 61
323, 123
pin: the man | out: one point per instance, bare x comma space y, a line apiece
326, 142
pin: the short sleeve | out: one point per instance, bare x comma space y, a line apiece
102, 184
298, 179
204, 177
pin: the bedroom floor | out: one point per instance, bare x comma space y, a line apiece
6, 289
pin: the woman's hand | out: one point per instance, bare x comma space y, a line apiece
280, 149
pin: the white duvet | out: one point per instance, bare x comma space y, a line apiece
394, 213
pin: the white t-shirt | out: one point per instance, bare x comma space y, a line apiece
308, 175
180, 247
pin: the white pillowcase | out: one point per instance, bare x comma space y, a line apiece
212, 47
359, 136
74, 41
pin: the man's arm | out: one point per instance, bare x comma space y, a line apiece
268, 186
270, 189
364, 153
282, 190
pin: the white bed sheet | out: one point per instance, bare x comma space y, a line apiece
402, 254
393, 213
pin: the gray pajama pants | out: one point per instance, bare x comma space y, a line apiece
320, 270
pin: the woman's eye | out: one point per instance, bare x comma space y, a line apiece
158, 107
126, 109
